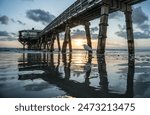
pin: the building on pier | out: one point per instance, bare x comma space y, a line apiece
29, 38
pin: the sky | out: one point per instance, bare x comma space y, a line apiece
18, 15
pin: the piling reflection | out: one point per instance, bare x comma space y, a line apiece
104, 78
130, 77
103, 74
57, 69
88, 69
67, 63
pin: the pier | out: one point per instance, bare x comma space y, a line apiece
81, 12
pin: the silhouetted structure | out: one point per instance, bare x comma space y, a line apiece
29, 38
80, 13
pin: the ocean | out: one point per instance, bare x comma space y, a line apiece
38, 74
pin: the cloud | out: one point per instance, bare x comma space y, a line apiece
145, 34
17, 21
78, 33
94, 29
13, 20
8, 39
115, 15
122, 33
141, 35
139, 17
4, 33
14, 34
144, 27
94, 36
140, 20
20, 22
5, 36
81, 33
39, 15
4, 20
28, 0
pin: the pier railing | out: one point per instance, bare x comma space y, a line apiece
79, 7
75, 9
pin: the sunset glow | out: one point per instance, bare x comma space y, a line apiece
78, 43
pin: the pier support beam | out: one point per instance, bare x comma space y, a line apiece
70, 44
29, 45
67, 40
40, 43
129, 28
58, 42
103, 27
24, 45
44, 43
88, 35
52, 43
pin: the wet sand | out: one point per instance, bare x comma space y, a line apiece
29, 74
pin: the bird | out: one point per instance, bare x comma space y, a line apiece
87, 48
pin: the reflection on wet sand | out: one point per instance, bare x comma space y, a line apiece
88, 70
130, 77
58, 68
103, 75
104, 79
67, 63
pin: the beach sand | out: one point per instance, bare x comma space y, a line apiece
33, 74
